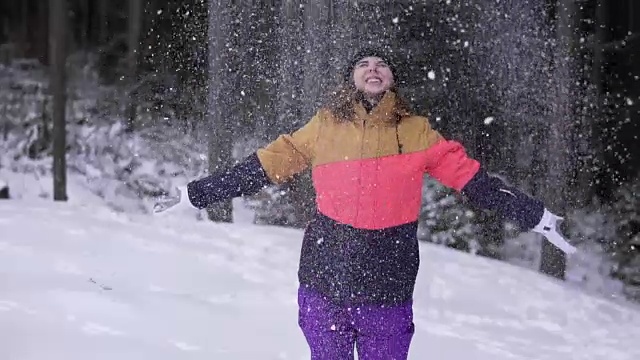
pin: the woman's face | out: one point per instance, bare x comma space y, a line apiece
372, 76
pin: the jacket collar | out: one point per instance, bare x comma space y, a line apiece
386, 112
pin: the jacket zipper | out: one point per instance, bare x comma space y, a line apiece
364, 132
347, 246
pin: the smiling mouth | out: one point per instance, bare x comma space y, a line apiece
374, 81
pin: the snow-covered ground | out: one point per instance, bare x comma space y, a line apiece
80, 282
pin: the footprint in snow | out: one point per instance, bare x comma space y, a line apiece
184, 346
7, 305
151, 247
66, 267
76, 231
65, 213
99, 329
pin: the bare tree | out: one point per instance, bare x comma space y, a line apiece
103, 21
316, 57
290, 29
220, 141
314, 83
291, 98
135, 29
500, 96
558, 146
57, 48
604, 48
327, 38
342, 31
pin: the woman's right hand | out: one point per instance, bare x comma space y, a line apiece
169, 204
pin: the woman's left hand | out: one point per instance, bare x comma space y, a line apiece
547, 227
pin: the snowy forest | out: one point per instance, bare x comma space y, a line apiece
132, 98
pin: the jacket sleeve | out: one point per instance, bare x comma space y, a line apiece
491, 193
275, 163
290, 154
449, 163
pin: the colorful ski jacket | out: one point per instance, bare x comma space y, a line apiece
362, 247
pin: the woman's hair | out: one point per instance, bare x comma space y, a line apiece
340, 101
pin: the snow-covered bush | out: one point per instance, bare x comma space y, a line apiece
291, 204
625, 250
445, 219
125, 168
593, 231
273, 207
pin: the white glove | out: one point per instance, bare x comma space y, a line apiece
547, 227
168, 205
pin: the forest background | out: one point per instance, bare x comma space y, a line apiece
132, 98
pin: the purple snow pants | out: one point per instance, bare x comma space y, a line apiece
332, 332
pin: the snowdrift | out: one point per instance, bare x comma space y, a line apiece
81, 282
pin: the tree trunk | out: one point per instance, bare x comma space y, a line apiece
135, 28
84, 18
314, 84
103, 22
220, 140
25, 39
290, 32
38, 27
558, 134
597, 80
317, 54
587, 147
57, 37
4, 190
291, 97
491, 235
341, 14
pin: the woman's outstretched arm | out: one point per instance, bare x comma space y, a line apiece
449, 163
275, 163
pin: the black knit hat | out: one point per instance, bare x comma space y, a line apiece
386, 55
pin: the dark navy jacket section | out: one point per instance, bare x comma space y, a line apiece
491, 193
245, 178
359, 266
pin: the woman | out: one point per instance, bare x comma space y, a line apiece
359, 260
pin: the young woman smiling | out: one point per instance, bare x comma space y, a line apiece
368, 153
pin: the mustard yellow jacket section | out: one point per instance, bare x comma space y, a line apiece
324, 139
